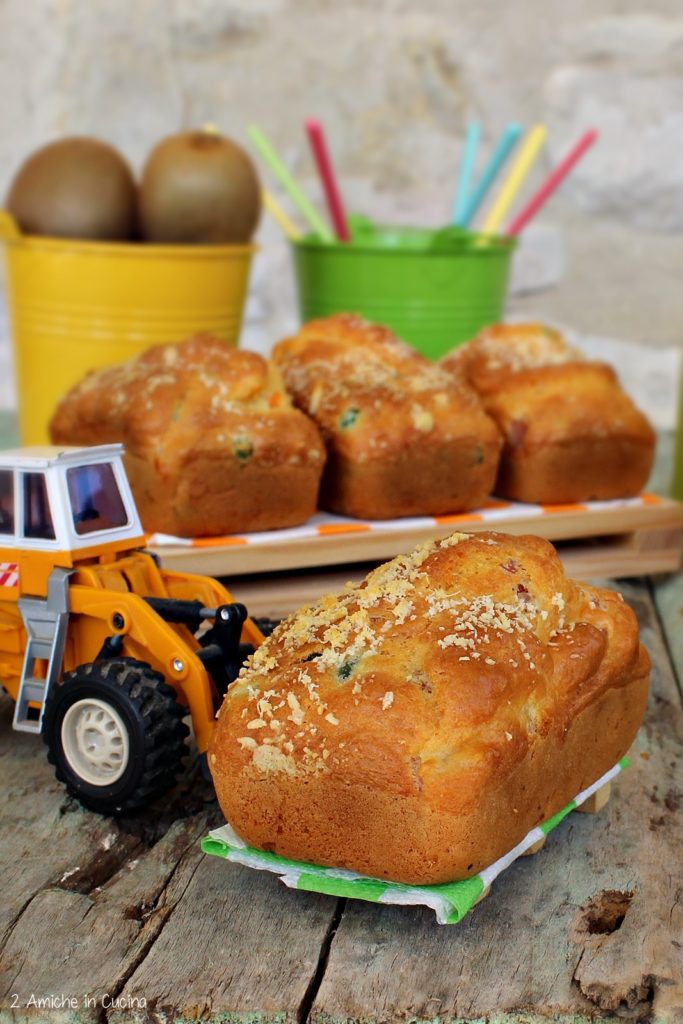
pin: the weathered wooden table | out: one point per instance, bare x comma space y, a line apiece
129, 921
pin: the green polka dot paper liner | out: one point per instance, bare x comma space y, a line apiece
450, 901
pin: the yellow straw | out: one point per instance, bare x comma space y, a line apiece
515, 179
277, 213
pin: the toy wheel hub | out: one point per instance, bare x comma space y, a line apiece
95, 741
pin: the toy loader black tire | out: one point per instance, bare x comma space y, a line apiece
115, 734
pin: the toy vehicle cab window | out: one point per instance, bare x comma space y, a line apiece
37, 515
96, 502
6, 501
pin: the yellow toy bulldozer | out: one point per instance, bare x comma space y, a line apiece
103, 652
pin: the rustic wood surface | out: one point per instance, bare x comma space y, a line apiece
132, 914
131, 922
545, 940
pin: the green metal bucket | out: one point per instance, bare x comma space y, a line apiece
435, 289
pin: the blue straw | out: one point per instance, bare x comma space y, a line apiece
507, 141
466, 167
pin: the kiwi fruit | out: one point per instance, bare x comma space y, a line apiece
198, 187
74, 188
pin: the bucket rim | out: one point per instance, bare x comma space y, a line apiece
484, 246
129, 250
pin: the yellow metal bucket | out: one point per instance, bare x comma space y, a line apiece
77, 306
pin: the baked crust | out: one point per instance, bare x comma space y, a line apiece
571, 433
403, 437
213, 443
418, 725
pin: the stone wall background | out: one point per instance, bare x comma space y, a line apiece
394, 83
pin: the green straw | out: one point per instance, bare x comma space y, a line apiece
287, 181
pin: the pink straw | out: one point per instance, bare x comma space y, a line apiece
552, 182
316, 138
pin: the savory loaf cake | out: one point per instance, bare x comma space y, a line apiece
416, 726
213, 443
403, 436
571, 433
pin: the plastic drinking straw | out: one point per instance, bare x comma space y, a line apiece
554, 179
528, 153
321, 155
500, 154
287, 181
278, 214
469, 157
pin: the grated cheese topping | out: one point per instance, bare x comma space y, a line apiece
339, 641
517, 347
345, 359
230, 397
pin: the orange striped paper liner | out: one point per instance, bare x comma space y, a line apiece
328, 529
463, 517
550, 510
213, 542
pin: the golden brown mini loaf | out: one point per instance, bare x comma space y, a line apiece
571, 433
416, 726
213, 443
403, 436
